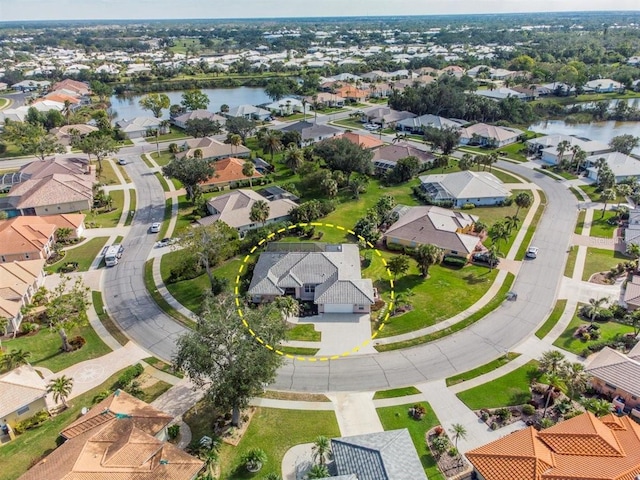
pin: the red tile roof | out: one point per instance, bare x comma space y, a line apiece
229, 170
367, 141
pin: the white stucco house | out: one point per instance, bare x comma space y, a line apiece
623, 166
546, 147
483, 134
467, 187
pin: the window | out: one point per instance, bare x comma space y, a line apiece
26, 255
360, 307
23, 410
309, 289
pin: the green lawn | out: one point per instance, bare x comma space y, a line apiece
163, 181
482, 369
394, 418
175, 134
576, 193
108, 175
571, 261
159, 299
608, 331
580, 221
349, 123
147, 162
510, 389
299, 351
45, 348
600, 260
494, 303
4, 102
84, 254
105, 319
505, 177
107, 219
273, 430
395, 393
154, 390
304, 332
133, 197
532, 227
552, 319
124, 174
600, 227
164, 158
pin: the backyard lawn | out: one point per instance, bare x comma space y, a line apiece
393, 418
510, 389
601, 260
608, 331
45, 348
84, 254
600, 227
273, 430
107, 219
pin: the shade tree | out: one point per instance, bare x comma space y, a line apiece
190, 171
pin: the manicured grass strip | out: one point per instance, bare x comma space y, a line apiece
147, 161
159, 299
510, 389
396, 392
105, 319
482, 369
608, 331
166, 218
45, 347
576, 193
108, 175
23, 452
133, 196
600, 226
163, 181
532, 227
571, 261
274, 430
494, 303
551, 321
163, 159
302, 351
601, 260
580, 222
84, 254
303, 397
162, 366
304, 332
549, 174
4, 102
505, 177
397, 417
153, 391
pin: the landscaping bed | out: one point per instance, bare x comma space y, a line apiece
449, 461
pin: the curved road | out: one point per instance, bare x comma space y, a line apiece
135, 311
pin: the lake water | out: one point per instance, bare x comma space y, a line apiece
600, 131
128, 108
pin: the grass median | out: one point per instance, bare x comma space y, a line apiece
553, 318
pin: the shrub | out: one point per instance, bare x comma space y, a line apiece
128, 375
454, 261
507, 202
468, 206
440, 444
33, 422
484, 415
77, 342
528, 409
219, 284
494, 425
28, 327
394, 247
377, 305
438, 430
453, 452
68, 267
503, 414
173, 431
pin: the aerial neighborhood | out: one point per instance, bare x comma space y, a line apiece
390, 248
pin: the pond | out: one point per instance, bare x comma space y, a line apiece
127, 107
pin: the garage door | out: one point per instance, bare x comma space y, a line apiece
338, 308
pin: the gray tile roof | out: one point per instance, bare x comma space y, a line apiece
387, 455
467, 184
617, 369
335, 272
311, 131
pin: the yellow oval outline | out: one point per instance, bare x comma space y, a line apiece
355, 349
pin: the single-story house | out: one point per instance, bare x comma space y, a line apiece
326, 99
79, 88
365, 141
228, 171
632, 293
328, 275
24, 239
467, 187
351, 93
490, 135
66, 133
389, 455
249, 112
67, 166
501, 93
18, 282
579, 448
31, 85
449, 230
120, 437
603, 85
284, 106
617, 375
387, 157
138, 127
23, 393
386, 116
234, 209
623, 166
212, 149
546, 147
181, 120
419, 124
632, 232
312, 132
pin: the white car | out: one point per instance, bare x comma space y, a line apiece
122, 161
532, 252
155, 227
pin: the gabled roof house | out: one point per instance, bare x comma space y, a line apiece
444, 228
623, 166
228, 171
581, 448
387, 156
546, 147
212, 149
419, 124
329, 275
484, 134
138, 127
18, 282
23, 393
312, 132
466, 187
181, 120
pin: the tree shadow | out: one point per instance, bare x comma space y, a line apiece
473, 279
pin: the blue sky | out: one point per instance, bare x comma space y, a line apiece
148, 9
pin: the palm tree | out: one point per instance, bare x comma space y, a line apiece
66, 111
304, 109
623, 190
498, 232
317, 472
15, 359
211, 456
580, 157
288, 306
197, 153
272, 143
577, 379
259, 212
598, 406
428, 255
403, 299
523, 200
235, 140
248, 170
554, 380
491, 159
511, 223
595, 307
551, 362
61, 388
492, 254
561, 148
321, 449
293, 157
458, 431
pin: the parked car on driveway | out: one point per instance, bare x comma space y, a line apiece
483, 257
